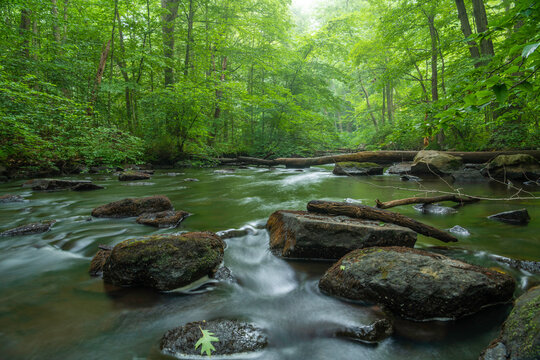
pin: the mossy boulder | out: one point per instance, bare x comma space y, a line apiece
430, 162
163, 219
164, 262
30, 229
133, 175
520, 335
300, 234
357, 168
235, 337
133, 207
55, 184
8, 198
98, 261
521, 167
416, 284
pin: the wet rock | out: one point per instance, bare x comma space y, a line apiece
434, 209
357, 168
416, 284
133, 175
520, 334
352, 201
400, 168
29, 229
300, 234
133, 207
458, 230
10, 198
163, 262
54, 184
430, 162
527, 265
142, 183
233, 233
373, 333
235, 337
191, 179
468, 175
163, 219
410, 178
520, 216
224, 274
98, 261
514, 167
87, 187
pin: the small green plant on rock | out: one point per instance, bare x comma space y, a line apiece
205, 342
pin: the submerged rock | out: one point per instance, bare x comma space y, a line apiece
54, 184
235, 337
29, 229
357, 168
430, 162
10, 198
164, 262
520, 334
191, 179
410, 178
527, 265
520, 216
300, 234
98, 261
133, 175
87, 187
163, 219
400, 168
416, 284
224, 274
133, 207
514, 167
468, 175
434, 209
458, 230
373, 333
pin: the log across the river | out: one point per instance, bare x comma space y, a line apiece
371, 213
379, 157
426, 200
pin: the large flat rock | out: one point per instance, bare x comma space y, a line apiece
133, 207
300, 234
416, 284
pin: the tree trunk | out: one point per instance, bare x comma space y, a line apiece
480, 16
189, 39
56, 28
24, 32
170, 11
99, 76
390, 102
434, 53
369, 106
66, 5
466, 30
371, 213
425, 200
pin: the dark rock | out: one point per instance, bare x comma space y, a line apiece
163, 262
54, 184
373, 333
521, 167
520, 216
10, 198
224, 274
98, 261
140, 183
416, 284
400, 168
132, 175
235, 337
468, 175
86, 187
434, 209
133, 207
163, 219
458, 230
429, 162
531, 183
191, 179
233, 233
300, 234
527, 265
410, 178
29, 229
520, 334
357, 168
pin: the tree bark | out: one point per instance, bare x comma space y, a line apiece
24, 32
66, 5
369, 106
480, 16
56, 28
434, 53
189, 39
99, 75
371, 213
466, 30
170, 11
425, 200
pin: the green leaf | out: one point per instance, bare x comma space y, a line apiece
205, 342
501, 92
529, 49
381, 224
342, 267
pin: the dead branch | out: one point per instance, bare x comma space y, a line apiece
426, 200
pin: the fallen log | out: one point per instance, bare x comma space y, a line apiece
380, 157
371, 213
425, 200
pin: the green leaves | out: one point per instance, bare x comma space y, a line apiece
529, 49
501, 92
205, 342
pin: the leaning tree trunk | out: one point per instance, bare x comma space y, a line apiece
479, 11
170, 11
466, 29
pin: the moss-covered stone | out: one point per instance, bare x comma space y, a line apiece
98, 261
163, 219
29, 229
430, 162
164, 262
515, 167
133, 175
357, 168
133, 207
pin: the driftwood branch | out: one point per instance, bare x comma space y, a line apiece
426, 200
371, 213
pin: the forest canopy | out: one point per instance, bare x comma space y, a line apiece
113, 81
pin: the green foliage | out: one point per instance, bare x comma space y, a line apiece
205, 342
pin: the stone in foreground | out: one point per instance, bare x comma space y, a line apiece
416, 284
357, 168
235, 337
133, 207
30, 229
301, 234
520, 216
520, 335
164, 262
373, 333
163, 219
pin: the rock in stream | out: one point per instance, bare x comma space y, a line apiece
133, 207
29, 229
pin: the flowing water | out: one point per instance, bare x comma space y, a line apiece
51, 309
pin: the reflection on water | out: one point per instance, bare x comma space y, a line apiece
51, 309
